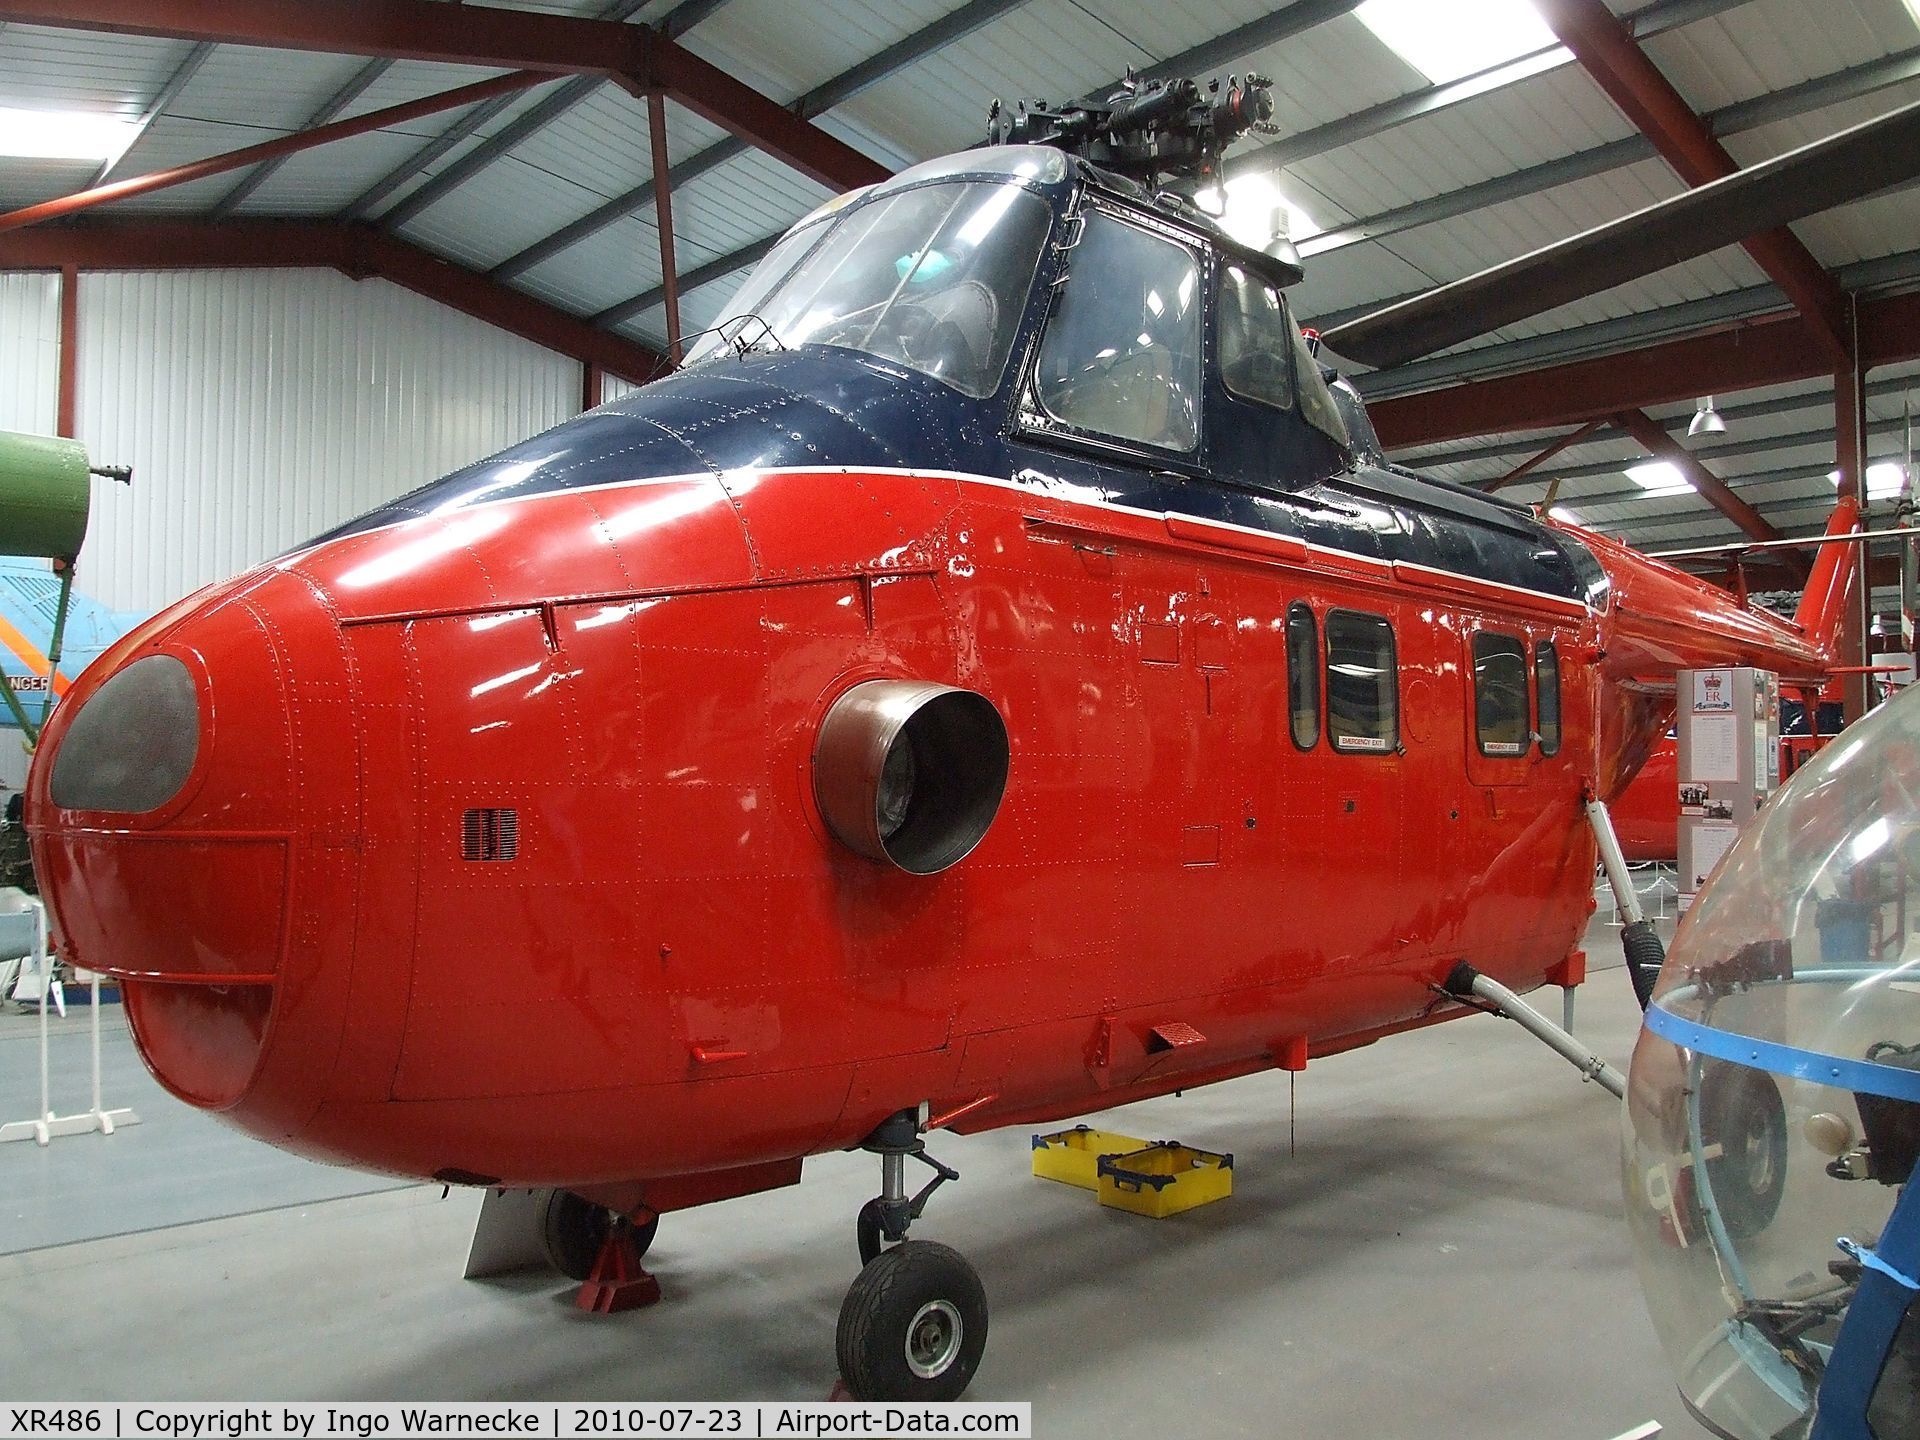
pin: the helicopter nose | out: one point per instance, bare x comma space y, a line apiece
162, 818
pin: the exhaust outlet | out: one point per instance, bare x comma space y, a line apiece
911, 773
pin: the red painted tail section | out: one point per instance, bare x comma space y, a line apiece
1830, 588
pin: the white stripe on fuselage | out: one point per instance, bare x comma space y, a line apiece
964, 477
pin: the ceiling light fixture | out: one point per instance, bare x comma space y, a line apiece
1706, 420
1464, 37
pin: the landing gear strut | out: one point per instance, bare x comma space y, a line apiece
914, 1323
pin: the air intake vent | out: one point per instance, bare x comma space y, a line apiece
490, 835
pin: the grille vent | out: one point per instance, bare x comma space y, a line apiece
490, 835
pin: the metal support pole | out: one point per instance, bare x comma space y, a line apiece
1642, 948
61, 609
663, 214
67, 398
1850, 458
1625, 897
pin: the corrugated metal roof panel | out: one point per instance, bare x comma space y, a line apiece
759, 42
621, 261
81, 70
502, 212
1767, 45
245, 85
333, 176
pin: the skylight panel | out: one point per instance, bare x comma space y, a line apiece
1659, 478
1461, 37
1884, 478
63, 135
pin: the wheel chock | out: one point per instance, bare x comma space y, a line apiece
618, 1280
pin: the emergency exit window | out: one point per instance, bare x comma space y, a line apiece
1500, 694
1363, 697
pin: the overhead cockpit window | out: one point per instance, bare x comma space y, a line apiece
1363, 697
1500, 694
1121, 357
1303, 674
935, 278
1546, 684
1256, 340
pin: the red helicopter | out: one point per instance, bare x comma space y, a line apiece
995, 679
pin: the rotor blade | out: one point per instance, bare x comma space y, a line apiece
1847, 166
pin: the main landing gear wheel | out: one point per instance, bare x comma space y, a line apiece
573, 1230
1741, 1111
913, 1326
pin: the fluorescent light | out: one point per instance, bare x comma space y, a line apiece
1252, 204
1884, 478
63, 135
1659, 478
1463, 37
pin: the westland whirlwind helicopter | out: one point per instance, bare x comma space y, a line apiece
997, 678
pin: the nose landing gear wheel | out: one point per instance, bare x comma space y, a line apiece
913, 1325
1742, 1112
573, 1230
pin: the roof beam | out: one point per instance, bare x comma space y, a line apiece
1608, 53
1650, 436
359, 251
1776, 350
272, 149
482, 35
1271, 29
188, 67
535, 118
1655, 19
485, 35
1535, 461
953, 26
357, 85
1796, 100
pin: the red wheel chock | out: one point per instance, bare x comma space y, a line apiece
618, 1281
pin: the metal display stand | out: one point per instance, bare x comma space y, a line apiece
47, 1124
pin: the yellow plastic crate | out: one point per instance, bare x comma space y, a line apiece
1164, 1178
1073, 1156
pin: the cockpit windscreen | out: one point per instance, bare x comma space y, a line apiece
935, 277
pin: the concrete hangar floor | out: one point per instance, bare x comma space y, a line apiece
1443, 1254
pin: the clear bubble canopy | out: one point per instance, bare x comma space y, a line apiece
1773, 1110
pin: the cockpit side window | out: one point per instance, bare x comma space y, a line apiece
1256, 340
1121, 356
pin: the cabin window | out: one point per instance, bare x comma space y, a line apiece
1303, 674
1256, 340
1546, 684
1363, 704
1121, 356
1500, 694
